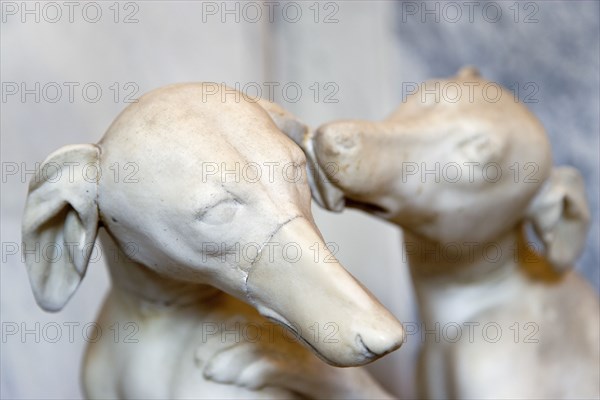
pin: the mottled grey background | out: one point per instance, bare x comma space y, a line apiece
372, 49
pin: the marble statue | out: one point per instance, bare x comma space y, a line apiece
205, 257
491, 230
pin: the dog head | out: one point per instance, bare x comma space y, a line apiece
219, 196
460, 160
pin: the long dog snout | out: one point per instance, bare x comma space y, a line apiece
302, 286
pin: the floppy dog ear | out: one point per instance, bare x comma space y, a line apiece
323, 191
60, 223
560, 216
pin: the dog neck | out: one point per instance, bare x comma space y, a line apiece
144, 288
455, 281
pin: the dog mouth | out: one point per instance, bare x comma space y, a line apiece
370, 355
366, 354
366, 206
299, 337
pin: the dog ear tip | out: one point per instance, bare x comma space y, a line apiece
50, 306
469, 71
50, 303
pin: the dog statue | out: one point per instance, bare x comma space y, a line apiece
206, 242
464, 169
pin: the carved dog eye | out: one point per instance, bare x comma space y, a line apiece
219, 213
480, 147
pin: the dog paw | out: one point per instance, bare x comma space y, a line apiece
244, 364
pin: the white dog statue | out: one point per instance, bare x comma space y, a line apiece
464, 175
207, 241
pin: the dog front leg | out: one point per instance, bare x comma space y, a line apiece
290, 366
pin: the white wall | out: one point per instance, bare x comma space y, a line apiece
366, 56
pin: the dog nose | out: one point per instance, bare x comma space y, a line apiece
378, 342
334, 140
